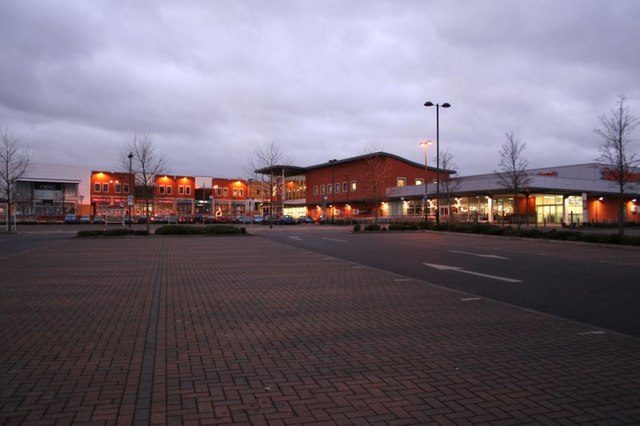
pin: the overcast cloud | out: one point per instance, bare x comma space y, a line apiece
213, 80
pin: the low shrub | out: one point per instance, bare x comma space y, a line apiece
90, 233
357, 227
198, 230
403, 227
372, 227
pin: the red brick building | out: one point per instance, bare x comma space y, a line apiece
230, 197
109, 192
358, 186
174, 195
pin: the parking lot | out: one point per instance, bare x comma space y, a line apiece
221, 330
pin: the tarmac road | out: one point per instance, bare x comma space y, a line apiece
594, 284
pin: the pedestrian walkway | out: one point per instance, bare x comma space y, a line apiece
242, 330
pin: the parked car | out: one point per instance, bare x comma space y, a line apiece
85, 220
258, 218
140, 219
159, 218
99, 220
287, 220
306, 219
70, 218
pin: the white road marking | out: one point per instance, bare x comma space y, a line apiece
359, 267
588, 333
479, 274
295, 237
488, 256
402, 279
469, 299
334, 239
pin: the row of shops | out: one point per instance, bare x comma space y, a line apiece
559, 195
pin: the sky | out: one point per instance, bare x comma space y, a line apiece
212, 82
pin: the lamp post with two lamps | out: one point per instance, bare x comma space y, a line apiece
444, 105
425, 204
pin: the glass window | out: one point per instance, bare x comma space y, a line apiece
354, 185
118, 188
337, 188
169, 189
180, 190
105, 187
125, 188
419, 181
161, 189
241, 192
322, 189
401, 181
329, 189
225, 192
234, 192
315, 190
345, 187
218, 191
188, 190
96, 187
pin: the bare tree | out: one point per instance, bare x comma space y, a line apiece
266, 157
373, 175
14, 163
449, 186
512, 167
146, 164
615, 151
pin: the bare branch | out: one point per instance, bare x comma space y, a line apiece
14, 163
616, 151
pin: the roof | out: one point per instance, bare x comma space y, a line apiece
296, 170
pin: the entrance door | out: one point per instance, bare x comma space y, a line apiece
549, 214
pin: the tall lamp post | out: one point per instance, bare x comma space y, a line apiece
130, 195
425, 146
444, 105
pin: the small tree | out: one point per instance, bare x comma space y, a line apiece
373, 174
266, 157
448, 185
146, 164
615, 151
512, 167
14, 163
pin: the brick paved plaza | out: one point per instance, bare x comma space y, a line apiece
245, 331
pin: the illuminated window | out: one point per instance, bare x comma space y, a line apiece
241, 192
419, 181
234, 192
354, 185
401, 181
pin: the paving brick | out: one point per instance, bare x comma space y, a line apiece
251, 332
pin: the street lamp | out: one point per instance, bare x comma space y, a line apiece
130, 196
425, 146
444, 105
